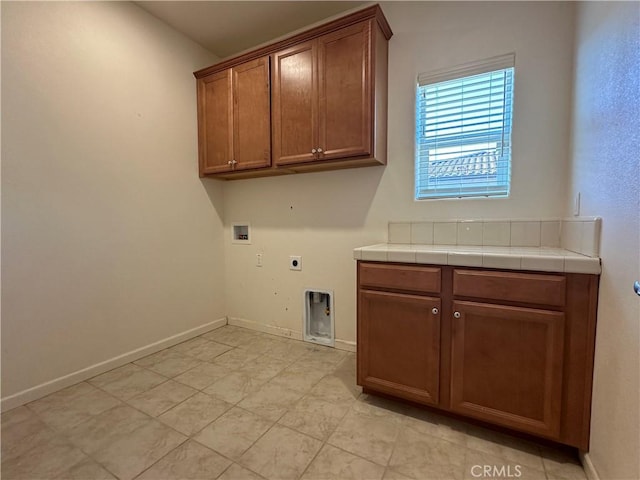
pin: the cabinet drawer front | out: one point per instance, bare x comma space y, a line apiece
513, 287
400, 277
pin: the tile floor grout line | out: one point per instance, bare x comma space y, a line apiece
126, 402
187, 437
92, 459
324, 443
64, 435
500, 456
63, 432
269, 429
262, 435
157, 417
395, 445
225, 470
163, 456
308, 395
357, 454
197, 431
121, 366
192, 438
334, 369
147, 414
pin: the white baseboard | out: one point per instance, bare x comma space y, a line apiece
346, 345
260, 327
59, 383
587, 464
285, 332
44, 389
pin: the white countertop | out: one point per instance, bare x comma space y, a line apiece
544, 259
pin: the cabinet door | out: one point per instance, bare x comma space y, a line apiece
399, 345
295, 104
251, 115
344, 78
215, 112
506, 366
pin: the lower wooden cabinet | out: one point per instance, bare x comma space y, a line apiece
467, 343
400, 340
506, 365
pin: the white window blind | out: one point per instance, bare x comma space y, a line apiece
463, 130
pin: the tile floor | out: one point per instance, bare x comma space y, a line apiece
239, 404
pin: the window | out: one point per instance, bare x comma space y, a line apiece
463, 131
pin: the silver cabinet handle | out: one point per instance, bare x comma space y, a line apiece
636, 287
457, 314
319, 150
313, 150
435, 310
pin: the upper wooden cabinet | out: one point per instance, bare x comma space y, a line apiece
326, 108
295, 104
322, 98
215, 123
233, 118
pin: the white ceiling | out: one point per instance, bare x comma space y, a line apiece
226, 28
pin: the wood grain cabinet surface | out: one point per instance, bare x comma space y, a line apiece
322, 98
325, 105
233, 118
400, 352
514, 349
506, 365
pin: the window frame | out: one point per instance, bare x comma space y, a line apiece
503, 141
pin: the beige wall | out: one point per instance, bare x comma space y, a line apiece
110, 241
323, 216
605, 168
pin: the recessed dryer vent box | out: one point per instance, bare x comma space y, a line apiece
241, 233
318, 317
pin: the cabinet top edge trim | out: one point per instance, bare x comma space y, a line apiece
360, 262
373, 12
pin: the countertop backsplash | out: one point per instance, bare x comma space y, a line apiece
578, 234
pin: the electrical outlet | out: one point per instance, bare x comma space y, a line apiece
258, 259
295, 262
